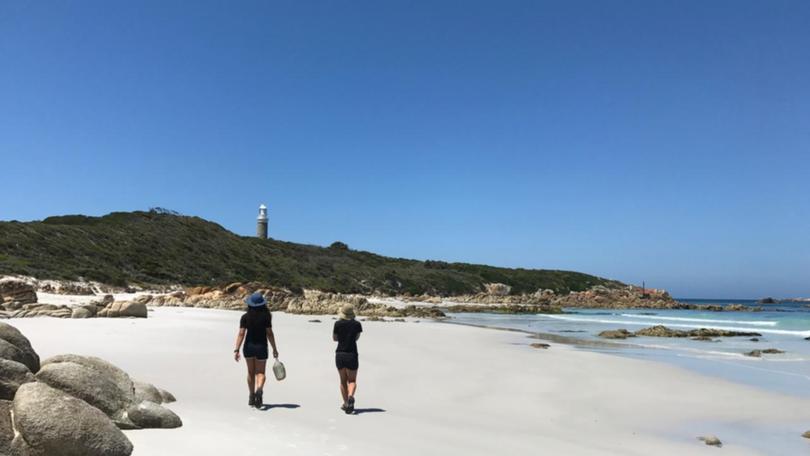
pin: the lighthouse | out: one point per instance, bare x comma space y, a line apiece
261, 223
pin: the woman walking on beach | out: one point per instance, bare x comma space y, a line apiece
255, 329
346, 332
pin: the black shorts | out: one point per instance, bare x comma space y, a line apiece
258, 351
345, 360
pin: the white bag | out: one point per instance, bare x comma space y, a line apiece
279, 371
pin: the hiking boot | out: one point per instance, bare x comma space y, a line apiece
259, 400
252, 400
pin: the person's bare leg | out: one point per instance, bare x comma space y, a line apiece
344, 388
261, 377
351, 378
251, 373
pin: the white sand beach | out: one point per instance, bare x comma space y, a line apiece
425, 388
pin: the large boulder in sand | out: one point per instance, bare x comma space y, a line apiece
16, 291
54, 423
87, 384
6, 427
148, 414
12, 375
103, 368
167, 397
616, 334
10, 339
147, 392
121, 309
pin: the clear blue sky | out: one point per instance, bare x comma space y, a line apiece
637, 140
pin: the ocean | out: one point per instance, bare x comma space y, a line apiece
783, 326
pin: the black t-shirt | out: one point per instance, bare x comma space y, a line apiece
347, 331
256, 327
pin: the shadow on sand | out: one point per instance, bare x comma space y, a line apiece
359, 411
267, 407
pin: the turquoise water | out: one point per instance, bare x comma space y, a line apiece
783, 326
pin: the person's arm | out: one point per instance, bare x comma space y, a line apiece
357, 337
272, 339
239, 338
359, 331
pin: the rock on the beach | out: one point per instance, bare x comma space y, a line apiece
16, 291
87, 384
806, 435
704, 339
121, 309
539, 345
103, 368
12, 375
147, 392
616, 334
81, 312
663, 331
148, 414
55, 423
711, 440
168, 397
767, 351
6, 427
16, 347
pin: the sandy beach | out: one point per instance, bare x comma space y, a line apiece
424, 388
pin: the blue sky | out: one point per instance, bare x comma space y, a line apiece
637, 140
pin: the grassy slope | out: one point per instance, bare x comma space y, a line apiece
159, 248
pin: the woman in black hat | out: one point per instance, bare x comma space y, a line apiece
255, 329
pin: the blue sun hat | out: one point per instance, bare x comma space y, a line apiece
255, 300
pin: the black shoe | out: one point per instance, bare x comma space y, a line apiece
252, 400
350, 406
259, 401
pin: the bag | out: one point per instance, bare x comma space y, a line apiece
279, 371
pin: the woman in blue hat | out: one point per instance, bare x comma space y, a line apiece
255, 329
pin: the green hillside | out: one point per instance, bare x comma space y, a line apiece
157, 247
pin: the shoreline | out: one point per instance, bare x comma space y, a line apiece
479, 392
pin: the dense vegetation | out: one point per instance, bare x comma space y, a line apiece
160, 247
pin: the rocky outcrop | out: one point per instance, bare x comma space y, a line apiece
148, 414
105, 307
806, 435
767, 351
545, 308
12, 375
123, 309
616, 334
167, 397
147, 392
663, 331
310, 302
87, 384
16, 347
6, 428
52, 422
16, 292
73, 405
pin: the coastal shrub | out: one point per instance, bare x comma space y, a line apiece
158, 247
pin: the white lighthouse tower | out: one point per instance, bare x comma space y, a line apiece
261, 223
